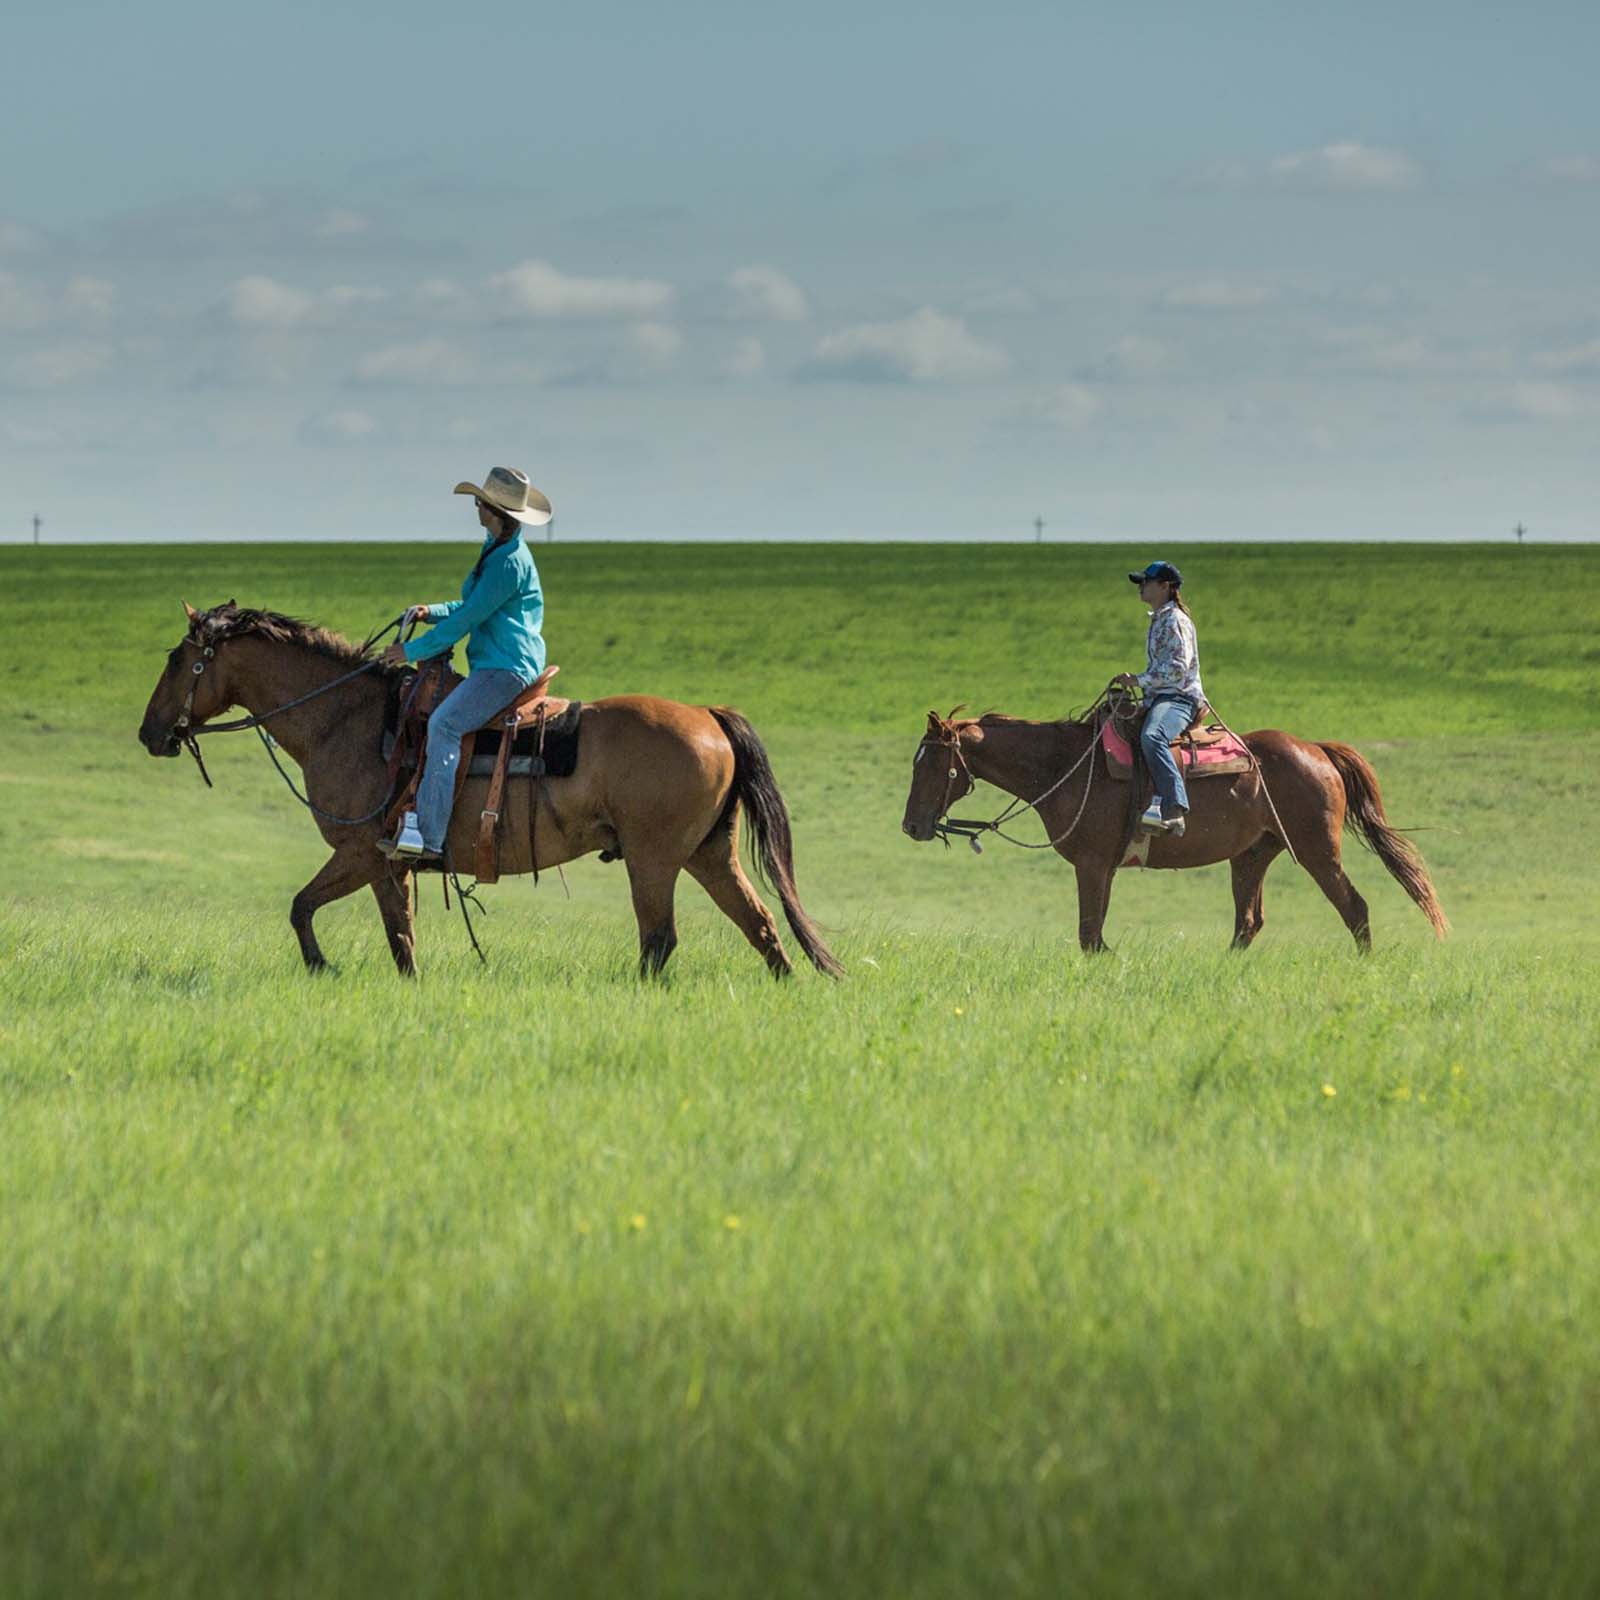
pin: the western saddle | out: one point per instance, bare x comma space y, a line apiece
432, 682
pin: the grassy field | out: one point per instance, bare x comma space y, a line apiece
990, 1270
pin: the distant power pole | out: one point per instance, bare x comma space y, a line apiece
1038, 530
36, 526
1519, 530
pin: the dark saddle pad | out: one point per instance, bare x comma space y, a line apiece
560, 747
560, 743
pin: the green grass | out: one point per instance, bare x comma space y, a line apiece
1048, 1275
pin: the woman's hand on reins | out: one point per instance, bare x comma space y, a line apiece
394, 656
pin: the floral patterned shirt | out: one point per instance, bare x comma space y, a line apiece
1174, 655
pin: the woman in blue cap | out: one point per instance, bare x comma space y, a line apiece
1172, 692
502, 608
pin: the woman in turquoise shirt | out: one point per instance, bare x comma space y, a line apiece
502, 608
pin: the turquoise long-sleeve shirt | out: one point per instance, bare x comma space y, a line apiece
502, 608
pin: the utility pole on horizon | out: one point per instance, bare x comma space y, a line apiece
1038, 530
1519, 530
36, 526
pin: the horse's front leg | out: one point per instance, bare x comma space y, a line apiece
349, 868
1094, 896
393, 891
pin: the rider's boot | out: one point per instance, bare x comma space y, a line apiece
1151, 820
407, 843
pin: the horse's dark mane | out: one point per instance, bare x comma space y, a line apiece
231, 621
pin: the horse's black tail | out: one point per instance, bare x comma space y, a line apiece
1365, 814
756, 789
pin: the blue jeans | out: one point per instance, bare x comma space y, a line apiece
469, 705
1167, 717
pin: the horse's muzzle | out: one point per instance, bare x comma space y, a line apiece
921, 834
160, 744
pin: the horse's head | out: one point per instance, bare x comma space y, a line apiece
194, 683
940, 776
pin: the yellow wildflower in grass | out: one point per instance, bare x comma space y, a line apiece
1329, 1090
731, 1221
961, 1011
637, 1221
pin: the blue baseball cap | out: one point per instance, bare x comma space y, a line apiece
1161, 571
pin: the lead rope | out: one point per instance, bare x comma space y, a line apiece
1261, 773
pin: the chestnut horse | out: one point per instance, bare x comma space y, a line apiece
1316, 789
660, 783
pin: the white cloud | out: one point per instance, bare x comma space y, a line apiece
1368, 348
1070, 406
338, 224
1216, 294
1580, 360
767, 293
1000, 302
1131, 357
1573, 169
438, 292
258, 302
423, 362
340, 427
657, 344
537, 289
16, 240
747, 359
1347, 165
91, 297
345, 295
20, 307
62, 364
926, 347
1547, 402
1530, 401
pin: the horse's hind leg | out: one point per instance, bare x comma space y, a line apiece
393, 892
1331, 880
1249, 869
715, 867
652, 904
346, 870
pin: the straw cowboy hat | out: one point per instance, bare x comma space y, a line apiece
507, 490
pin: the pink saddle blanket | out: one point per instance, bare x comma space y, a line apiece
1228, 753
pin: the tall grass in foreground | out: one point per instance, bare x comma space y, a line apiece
990, 1270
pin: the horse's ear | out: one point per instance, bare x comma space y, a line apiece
933, 722
232, 605
190, 612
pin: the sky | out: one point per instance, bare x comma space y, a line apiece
835, 271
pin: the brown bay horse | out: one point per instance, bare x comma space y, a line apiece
1317, 789
662, 784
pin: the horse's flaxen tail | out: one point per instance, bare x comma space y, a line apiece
756, 789
1392, 848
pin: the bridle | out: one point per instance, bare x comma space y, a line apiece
949, 740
